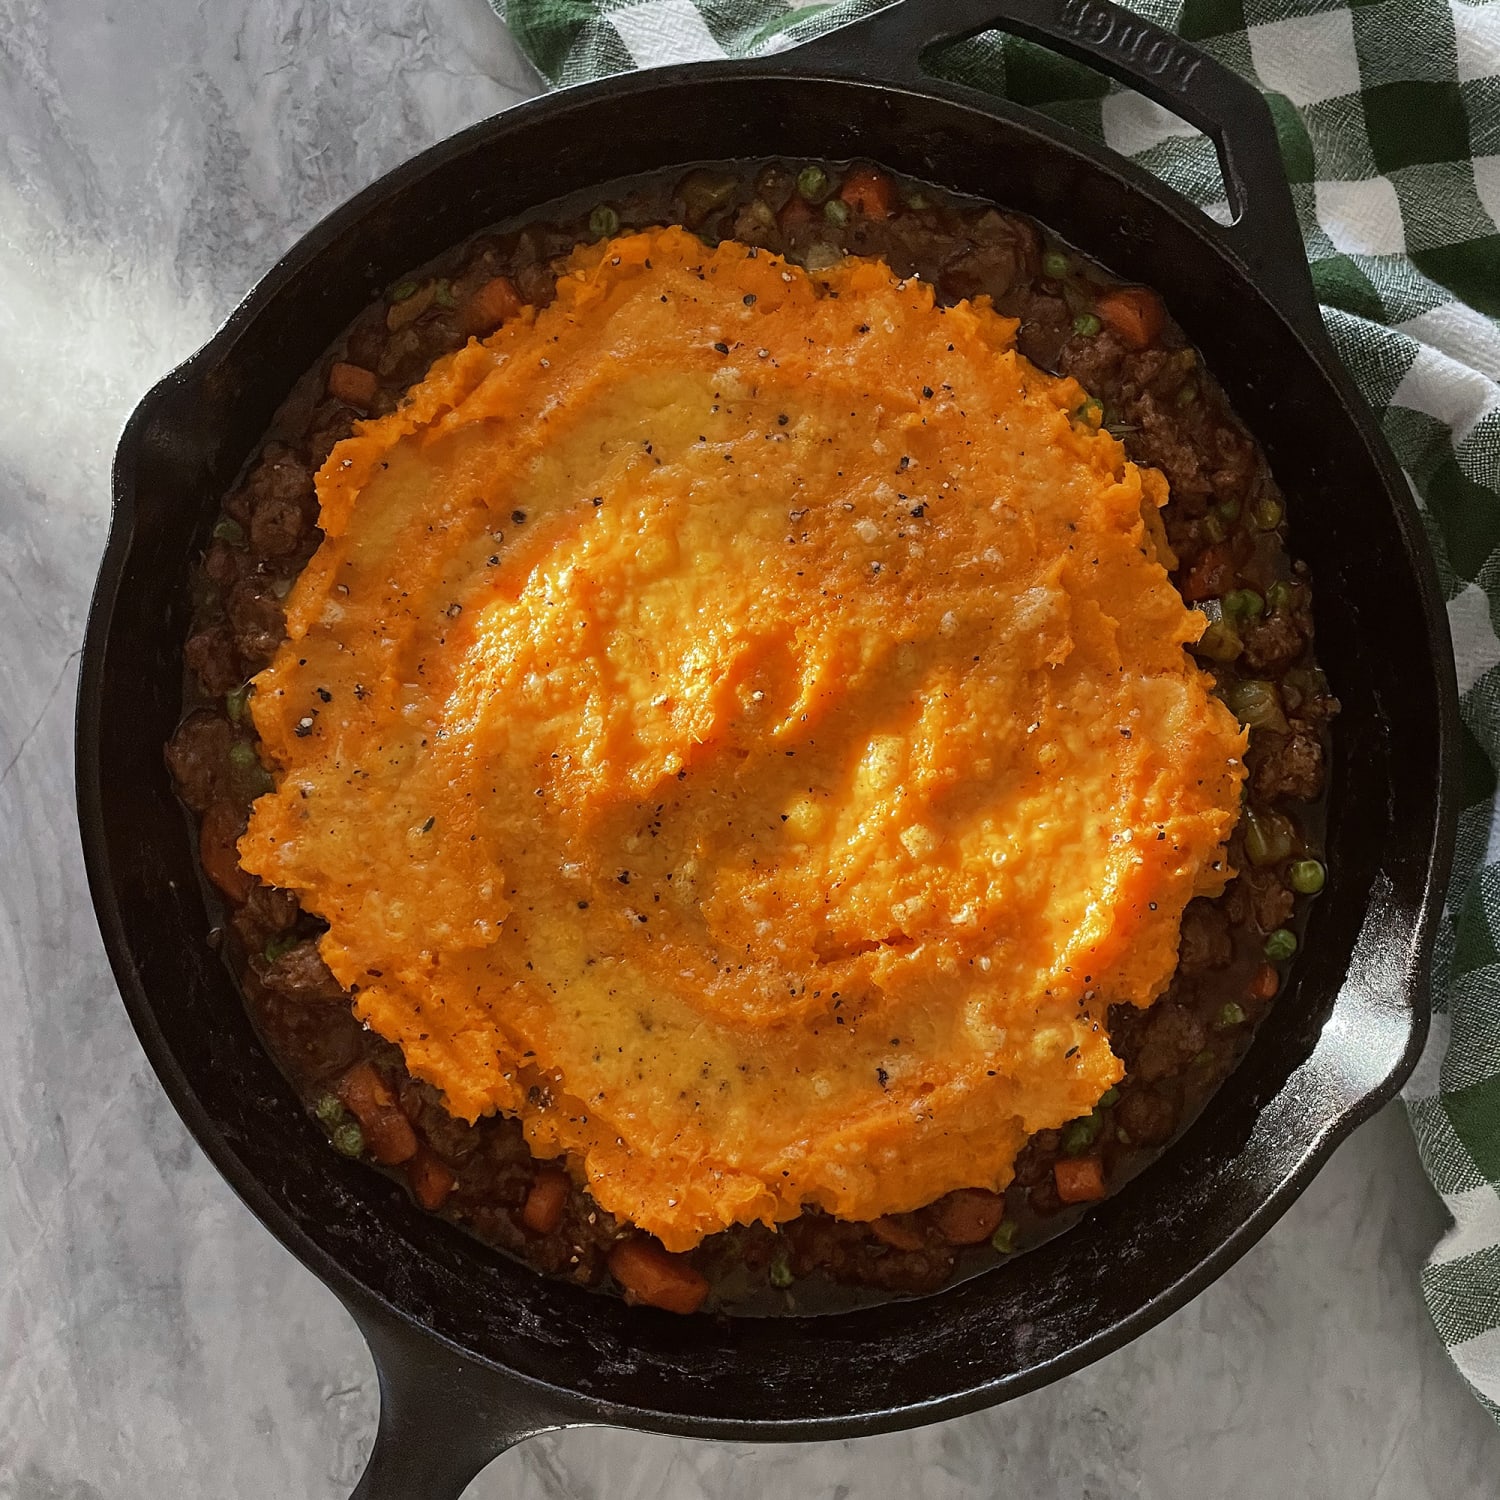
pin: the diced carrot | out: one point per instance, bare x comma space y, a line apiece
365, 1093
430, 1179
1134, 313
391, 1138
969, 1216
370, 1099
489, 305
1210, 575
1264, 983
652, 1275
895, 1231
1080, 1179
545, 1202
795, 212
354, 385
870, 193
218, 835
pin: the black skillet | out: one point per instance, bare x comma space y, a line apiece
474, 1350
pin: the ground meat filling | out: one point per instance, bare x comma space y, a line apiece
1225, 521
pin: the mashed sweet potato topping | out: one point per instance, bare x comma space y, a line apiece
739, 723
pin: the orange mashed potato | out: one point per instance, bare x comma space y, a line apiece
738, 722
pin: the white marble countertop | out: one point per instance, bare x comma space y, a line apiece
155, 157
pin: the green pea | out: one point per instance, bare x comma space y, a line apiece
227, 529
1279, 597
329, 1111
1086, 325
1281, 945
242, 754
836, 211
1307, 877
1213, 528
1244, 604
1108, 1097
1187, 393
1079, 1135
603, 222
780, 1273
1055, 264
443, 295
1228, 510
402, 290
1228, 1016
1091, 412
1267, 513
234, 703
918, 202
1004, 1238
813, 183
279, 945
349, 1140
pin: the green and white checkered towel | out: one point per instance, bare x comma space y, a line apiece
1389, 117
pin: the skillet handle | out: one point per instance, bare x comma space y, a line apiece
442, 1416
1227, 107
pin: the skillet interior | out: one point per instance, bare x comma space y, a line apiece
1138, 1255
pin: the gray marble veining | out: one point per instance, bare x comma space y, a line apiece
155, 157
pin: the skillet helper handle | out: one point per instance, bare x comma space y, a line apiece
442, 1418
1227, 107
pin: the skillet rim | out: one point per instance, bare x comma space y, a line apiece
375, 1313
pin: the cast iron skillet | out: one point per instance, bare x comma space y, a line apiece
475, 1351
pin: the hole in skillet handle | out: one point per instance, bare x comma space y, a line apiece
1263, 234
443, 1416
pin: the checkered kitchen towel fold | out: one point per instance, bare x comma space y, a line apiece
1389, 117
